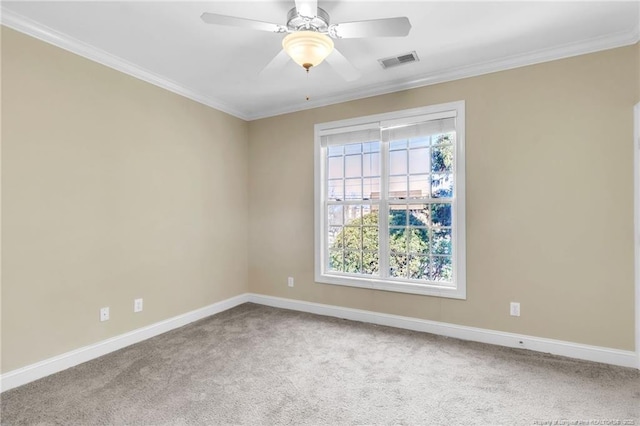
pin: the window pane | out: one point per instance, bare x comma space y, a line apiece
419, 267
440, 214
352, 238
353, 148
370, 263
353, 166
419, 142
371, 164
336, 262
334, 215
371, 188
398, 266
370, 238
419, 186
371, 147
335, 167
398, 215
419, 215
441, 241
369, 215
335, 189
352, 262
441, 269
335, 150
418, 241
442, 159
442, 185
395, 145
398, 162
418, 220
353, 189
419, 161
398, 240
367, 218
352, 216
444, 138
334, 237
398, 187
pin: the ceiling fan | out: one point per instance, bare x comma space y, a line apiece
310, 33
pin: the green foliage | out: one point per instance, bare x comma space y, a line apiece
441, 214
408, 239
442, 155
355, 249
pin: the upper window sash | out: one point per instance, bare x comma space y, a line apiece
419, 129
417, 119
352, 134
386, 130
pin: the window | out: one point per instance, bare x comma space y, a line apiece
390, 201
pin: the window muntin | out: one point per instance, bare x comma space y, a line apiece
391, 201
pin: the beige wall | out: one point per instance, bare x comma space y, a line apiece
549, 201
112, 189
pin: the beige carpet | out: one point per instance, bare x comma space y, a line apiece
256, 365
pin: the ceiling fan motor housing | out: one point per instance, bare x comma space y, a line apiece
318, 23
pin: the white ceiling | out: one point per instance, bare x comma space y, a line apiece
167, 44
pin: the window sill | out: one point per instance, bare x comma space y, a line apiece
395, 286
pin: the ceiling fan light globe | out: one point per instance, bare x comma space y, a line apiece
307, 48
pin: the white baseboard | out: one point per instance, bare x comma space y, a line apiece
61, 362
556, 347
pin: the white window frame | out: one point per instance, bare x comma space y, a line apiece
458, 290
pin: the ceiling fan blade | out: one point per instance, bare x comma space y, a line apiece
232, 21
308, 8
388, 27
343, 66
277, 63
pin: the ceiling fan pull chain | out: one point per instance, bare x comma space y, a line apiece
308, 85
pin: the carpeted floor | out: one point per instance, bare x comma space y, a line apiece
255, 365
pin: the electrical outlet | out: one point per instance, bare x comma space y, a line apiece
104, 314
290, 281
515, 309
137, 305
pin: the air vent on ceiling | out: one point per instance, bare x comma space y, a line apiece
394, 61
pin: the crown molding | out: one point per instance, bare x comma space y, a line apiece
34, 29
49, 35
611, 41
